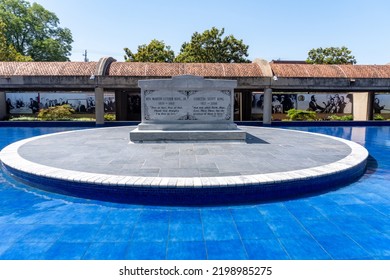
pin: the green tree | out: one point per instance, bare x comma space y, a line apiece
210, 46
156, 51
330, 55
7, 51
34, 31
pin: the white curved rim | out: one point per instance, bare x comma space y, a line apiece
10, 157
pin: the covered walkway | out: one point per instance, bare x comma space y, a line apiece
108, 75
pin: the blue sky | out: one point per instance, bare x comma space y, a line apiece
279, 29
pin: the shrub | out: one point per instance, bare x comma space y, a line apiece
347, 118
109, 117
334, 118
301, 115
378, 117
58, 113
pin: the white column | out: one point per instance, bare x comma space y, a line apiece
99, 105
362, 106
3, 106
267, 106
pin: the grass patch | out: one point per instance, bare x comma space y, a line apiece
340, 118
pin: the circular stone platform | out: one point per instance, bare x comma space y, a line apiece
103, 164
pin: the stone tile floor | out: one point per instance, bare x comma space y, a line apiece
349, 223
108, 151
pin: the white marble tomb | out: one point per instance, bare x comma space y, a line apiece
187, 108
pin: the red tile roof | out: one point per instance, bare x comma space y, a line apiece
330, 71
47, 68
232, 70
145, 69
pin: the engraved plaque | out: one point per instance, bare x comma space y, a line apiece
187, 105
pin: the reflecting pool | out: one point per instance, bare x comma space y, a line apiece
351, 222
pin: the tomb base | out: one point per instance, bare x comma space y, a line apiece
158, 135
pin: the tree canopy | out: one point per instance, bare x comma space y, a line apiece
33, 31
210, 46
7, 51
156, 51
331, 55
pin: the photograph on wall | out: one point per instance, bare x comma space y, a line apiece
281, 103
257, 102
327, 103
22, 103
80, 102
382, 103
133, 106
134, 103
109, 102
32, 102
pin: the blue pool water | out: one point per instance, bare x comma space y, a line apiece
349, 223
